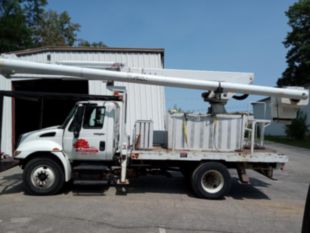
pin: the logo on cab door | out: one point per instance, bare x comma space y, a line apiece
82, 145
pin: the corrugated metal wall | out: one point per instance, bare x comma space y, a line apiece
6, 143
145, 102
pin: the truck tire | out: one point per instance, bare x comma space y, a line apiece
211, 180
43, 176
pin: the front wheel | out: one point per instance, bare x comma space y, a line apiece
211, 180
43, 176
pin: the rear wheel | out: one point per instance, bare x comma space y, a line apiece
211, 180
43, 176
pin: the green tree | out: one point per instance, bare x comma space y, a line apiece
14, 31
298, 128
298, 44
25, 24
85, 43
56, 30
33, 10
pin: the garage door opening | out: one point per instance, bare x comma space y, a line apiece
32, 114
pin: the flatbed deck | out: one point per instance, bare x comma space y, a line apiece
265, 155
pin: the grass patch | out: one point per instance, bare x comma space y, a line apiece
293, 142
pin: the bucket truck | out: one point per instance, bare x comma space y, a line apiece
92, 147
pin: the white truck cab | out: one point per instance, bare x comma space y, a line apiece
89, 133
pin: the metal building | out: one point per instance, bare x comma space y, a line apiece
144, 102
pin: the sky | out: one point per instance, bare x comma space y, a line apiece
218, 35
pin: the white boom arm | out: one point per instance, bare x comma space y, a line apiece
11, 66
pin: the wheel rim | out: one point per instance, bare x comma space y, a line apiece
43, 177
212, 181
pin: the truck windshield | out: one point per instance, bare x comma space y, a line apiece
71, 114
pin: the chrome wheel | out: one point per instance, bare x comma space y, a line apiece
212, 181
42, 177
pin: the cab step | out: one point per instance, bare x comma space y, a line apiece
88, 167
90, 182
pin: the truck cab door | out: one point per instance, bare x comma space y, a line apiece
85, 136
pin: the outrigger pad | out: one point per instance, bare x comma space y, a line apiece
7, 162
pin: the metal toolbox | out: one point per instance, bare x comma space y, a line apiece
143, 134
223, 132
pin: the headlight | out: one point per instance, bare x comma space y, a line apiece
16, 153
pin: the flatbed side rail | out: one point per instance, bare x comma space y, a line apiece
163, 155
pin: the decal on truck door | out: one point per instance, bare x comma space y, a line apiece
87, 133
82, 145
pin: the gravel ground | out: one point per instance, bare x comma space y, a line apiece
160, 204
